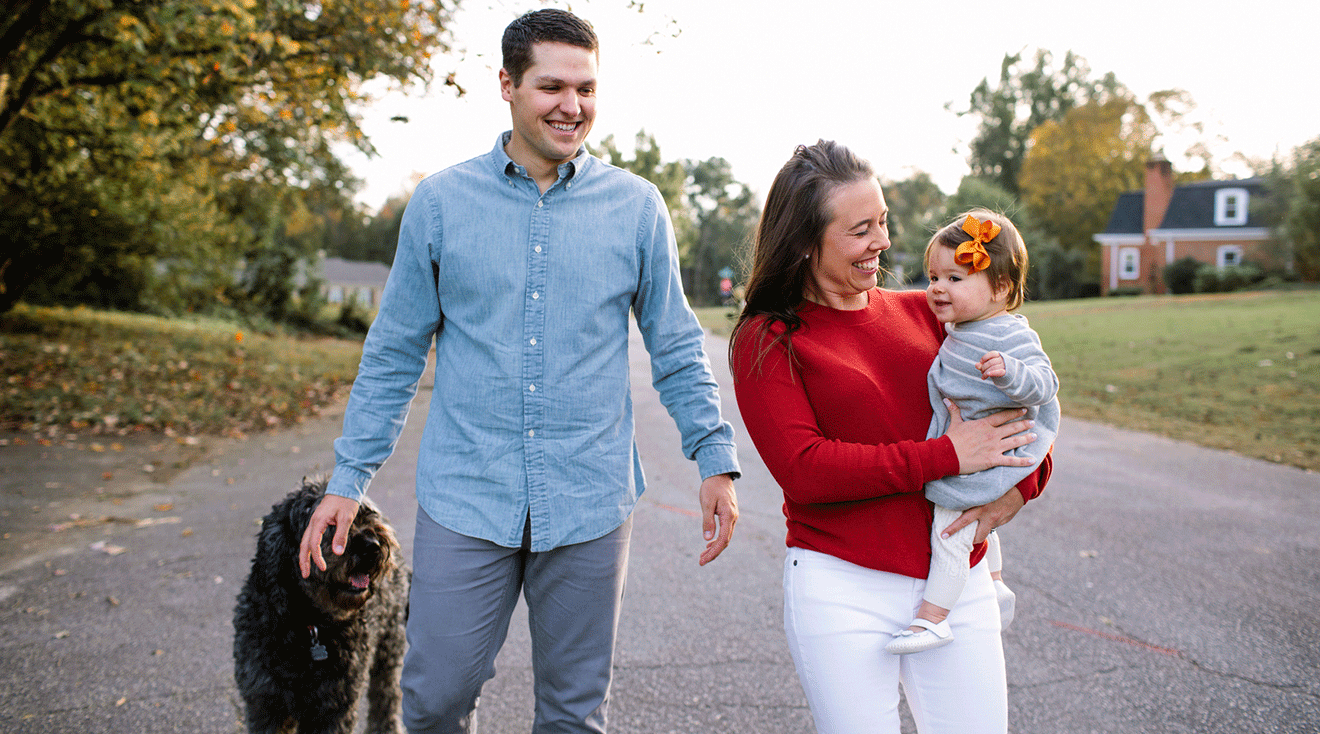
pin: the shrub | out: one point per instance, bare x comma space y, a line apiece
1130, 290
1180, 275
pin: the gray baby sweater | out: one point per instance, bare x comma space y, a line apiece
1029, 382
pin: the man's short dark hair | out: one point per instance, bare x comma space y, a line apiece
540, 26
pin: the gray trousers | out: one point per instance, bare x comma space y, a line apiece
463, 594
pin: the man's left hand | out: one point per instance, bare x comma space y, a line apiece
719, 513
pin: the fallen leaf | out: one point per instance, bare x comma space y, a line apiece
107, 475
61, 634
187, 533
121, 701
108, 548
164, 507
112, 601
149, 521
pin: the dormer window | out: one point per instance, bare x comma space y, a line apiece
1230, 207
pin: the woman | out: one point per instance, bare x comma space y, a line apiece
830, 376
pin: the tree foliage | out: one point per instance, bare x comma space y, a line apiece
1027, 94
1076, 167
915, 206
1293, 209
151, 149
724, 216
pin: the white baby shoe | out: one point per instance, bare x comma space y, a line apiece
932, 636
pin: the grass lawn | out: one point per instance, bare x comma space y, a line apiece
1238, 372
78, 370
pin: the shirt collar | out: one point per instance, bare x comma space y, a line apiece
508, 167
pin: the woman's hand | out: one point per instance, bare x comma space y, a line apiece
989, 516
980, 444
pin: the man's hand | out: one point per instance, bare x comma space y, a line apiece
332, 510
990, 515
718, 500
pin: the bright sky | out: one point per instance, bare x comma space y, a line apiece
750, 81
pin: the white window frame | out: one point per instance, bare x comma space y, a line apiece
1129, 263
1237, 217
1223, 254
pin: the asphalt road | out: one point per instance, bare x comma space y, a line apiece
1161, 588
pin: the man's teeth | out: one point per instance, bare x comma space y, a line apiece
564, 126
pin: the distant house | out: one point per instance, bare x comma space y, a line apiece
346, 279
1210, 221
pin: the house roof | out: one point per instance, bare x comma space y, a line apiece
1193, 205
1128, 213
337, 270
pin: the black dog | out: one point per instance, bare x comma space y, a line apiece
305, 649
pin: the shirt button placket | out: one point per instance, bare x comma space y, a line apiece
534, 394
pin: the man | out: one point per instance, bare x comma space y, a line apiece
524, 264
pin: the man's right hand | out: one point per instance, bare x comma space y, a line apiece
332, 510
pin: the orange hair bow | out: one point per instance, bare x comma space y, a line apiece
973, 254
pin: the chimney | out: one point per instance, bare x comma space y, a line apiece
1159, 190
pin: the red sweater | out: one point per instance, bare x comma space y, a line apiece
843, 430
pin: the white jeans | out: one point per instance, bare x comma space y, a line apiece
838, 617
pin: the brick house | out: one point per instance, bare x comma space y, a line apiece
1210, 221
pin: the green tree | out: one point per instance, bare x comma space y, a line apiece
915, 206
192, 136
1025, 97
724, 214
1293, 209
1077, 167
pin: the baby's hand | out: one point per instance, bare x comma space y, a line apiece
991, 365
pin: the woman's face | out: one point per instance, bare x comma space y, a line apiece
847, 263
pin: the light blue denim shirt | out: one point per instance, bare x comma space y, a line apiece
528, 297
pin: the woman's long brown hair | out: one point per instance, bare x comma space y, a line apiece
795, 215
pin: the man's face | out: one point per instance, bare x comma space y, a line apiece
554, 106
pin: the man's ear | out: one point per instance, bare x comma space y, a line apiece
506, 86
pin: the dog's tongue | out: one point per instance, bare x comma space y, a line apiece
360, 581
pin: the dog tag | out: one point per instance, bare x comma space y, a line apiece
319, 652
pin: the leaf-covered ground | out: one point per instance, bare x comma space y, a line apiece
82, 371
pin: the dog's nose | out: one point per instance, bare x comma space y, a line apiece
366, 546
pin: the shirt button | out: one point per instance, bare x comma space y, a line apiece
536, 295
531, 434
538, 248
539, 204
532, 388
533, 341
568, 185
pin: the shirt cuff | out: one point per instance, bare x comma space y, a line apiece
348, 482
718, 459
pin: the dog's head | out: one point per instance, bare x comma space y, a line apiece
349, 581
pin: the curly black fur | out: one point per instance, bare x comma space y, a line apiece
355, 609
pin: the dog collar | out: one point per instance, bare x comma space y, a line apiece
319, 652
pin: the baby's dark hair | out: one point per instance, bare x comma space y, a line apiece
1008, 255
